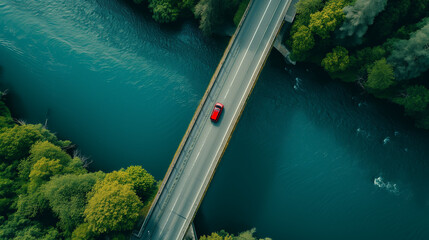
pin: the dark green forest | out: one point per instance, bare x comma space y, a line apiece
381, 45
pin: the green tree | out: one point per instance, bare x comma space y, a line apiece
212, 13
82, 232
32, 204
358, 17
113, 207
48, 150
367, 56
216, 236
337, 60
44, 169
388, 21
324, 22
164, 11
6, 195
410, 58
67, 197
6, 120
248, 235
141, 181
415, 100
380, 75
240, 12
307, 7
302, 42
15, 142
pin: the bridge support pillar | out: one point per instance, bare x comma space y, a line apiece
191, 234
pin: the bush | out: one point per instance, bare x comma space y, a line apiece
112, 207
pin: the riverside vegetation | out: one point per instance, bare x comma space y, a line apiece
212, 14
46, 190
46, 193
382, 45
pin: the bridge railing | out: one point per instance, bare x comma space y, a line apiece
192, 123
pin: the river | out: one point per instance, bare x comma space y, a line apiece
311, 158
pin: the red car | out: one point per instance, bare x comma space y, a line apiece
217, 111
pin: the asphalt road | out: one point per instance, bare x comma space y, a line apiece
196, 164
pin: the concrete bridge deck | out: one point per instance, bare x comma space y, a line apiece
204, 143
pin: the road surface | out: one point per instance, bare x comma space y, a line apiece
188, 180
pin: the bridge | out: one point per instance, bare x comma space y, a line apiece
204, 143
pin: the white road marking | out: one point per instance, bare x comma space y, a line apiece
227, 130
205, 177
247, 50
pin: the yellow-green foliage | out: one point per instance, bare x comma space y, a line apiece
112, 207
49, 151
15, 142
142, 182
46, 149
45, 168
82, 232
302, 42
324, 22
380, 75
337, 60
216, 236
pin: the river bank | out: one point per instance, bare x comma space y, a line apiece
310, 158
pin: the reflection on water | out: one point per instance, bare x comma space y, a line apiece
310, 158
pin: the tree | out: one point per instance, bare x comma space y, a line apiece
212, 13
325, 21
302, 42
248, 235
358, 17
337, 60
6, 195
82, 232
44, 169
6, 120
67, 197
138, 178
15, 142
367, 56
217, 236
410, 58
164, 11
307, 7
112, 207
19, 228
143, 183
415, 100
48, 150
380, 76
387, 21
420, 9
240, 12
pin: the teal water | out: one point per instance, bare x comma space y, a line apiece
310, 158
